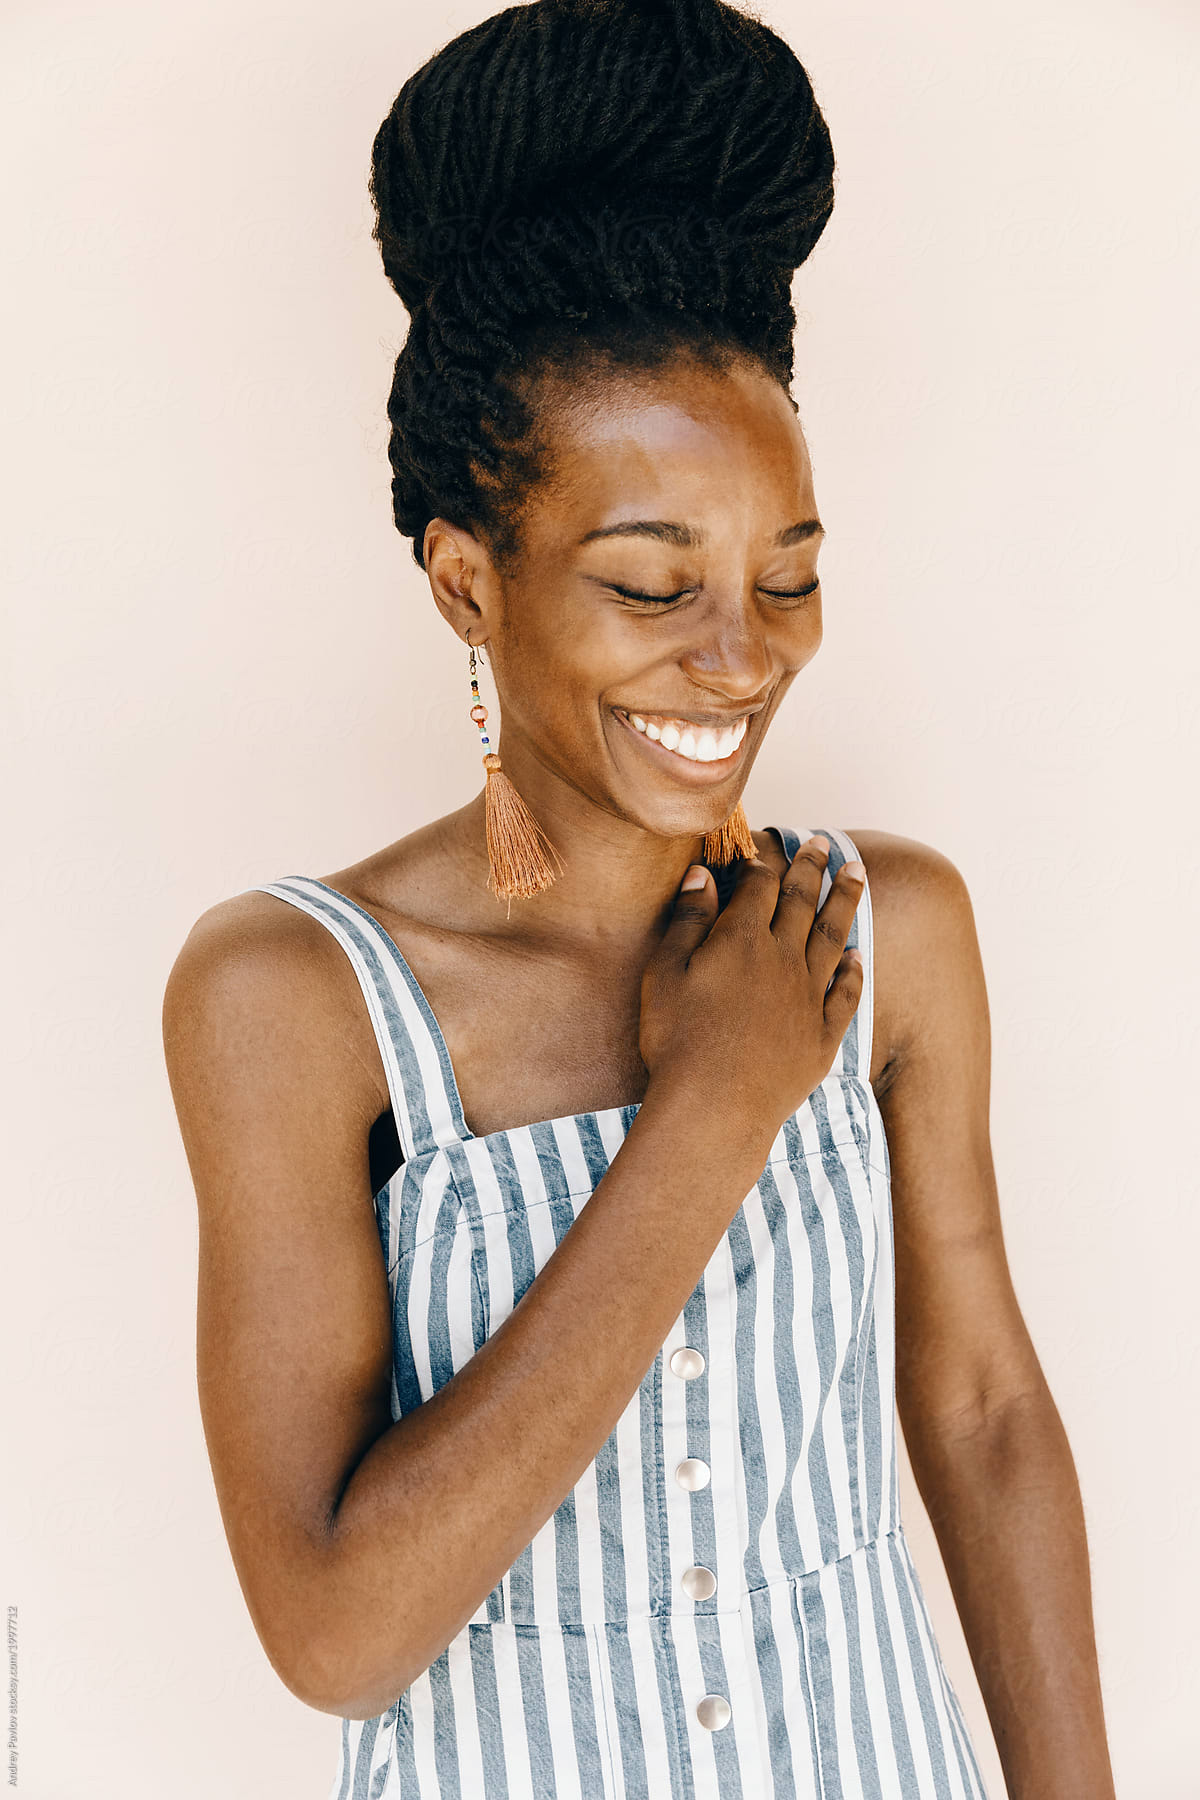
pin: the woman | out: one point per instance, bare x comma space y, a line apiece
552, 1323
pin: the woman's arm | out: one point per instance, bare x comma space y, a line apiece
364, 1545
987, 1446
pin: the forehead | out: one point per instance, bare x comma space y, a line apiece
711, 447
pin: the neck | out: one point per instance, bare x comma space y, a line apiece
613, 894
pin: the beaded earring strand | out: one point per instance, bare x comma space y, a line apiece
516, 844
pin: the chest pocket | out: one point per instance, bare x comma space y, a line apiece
466, 1240
453, 1282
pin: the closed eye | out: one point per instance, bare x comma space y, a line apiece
631, 594
793, 593
665, 599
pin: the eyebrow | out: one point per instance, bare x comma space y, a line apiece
683, 537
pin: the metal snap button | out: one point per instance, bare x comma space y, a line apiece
698, 1583
693, 1474
714, 1711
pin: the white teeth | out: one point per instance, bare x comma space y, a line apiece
697, 744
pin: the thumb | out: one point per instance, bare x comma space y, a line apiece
692, 917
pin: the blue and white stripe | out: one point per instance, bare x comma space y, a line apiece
580, 1675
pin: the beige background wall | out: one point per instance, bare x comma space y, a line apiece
222, 666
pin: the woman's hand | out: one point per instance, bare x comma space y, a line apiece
745, 1008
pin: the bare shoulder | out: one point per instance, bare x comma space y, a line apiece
923, 928
258, 977
245, 949
246, 934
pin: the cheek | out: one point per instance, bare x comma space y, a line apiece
800, 645
558, 707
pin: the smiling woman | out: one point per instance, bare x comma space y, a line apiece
548, 1281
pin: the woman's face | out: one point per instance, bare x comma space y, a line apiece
689, 483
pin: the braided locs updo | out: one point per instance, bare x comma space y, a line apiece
573, 185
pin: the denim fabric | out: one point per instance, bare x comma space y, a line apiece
600, 1667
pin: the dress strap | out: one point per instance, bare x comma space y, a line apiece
424, 1094
854, 1051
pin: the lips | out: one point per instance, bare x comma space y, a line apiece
700, 774
696, 742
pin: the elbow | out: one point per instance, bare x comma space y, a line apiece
347, 1700
328, 1663
333, 1686
349, 1677
309, 1671
344, 1657
352, 1707
365, 1708
330, 1678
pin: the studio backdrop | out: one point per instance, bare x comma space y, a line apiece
222, 666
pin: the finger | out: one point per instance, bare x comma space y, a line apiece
844, 991
820, 933
691, 919
833, 923
800, 889
835, 919
752, 897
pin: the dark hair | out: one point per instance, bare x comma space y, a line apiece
579, 186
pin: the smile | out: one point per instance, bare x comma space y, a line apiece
708, 750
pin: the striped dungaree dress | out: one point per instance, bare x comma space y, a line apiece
724, 1607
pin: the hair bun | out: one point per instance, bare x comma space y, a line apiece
612, 134
657, 168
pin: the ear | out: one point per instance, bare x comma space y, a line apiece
462, 580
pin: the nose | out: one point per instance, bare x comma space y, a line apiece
732, 659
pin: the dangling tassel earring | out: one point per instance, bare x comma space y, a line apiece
516, 844
730, 840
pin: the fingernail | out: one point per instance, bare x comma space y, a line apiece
694, 878
855, 869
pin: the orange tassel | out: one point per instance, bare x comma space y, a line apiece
519, 851
730, 840
517, 846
